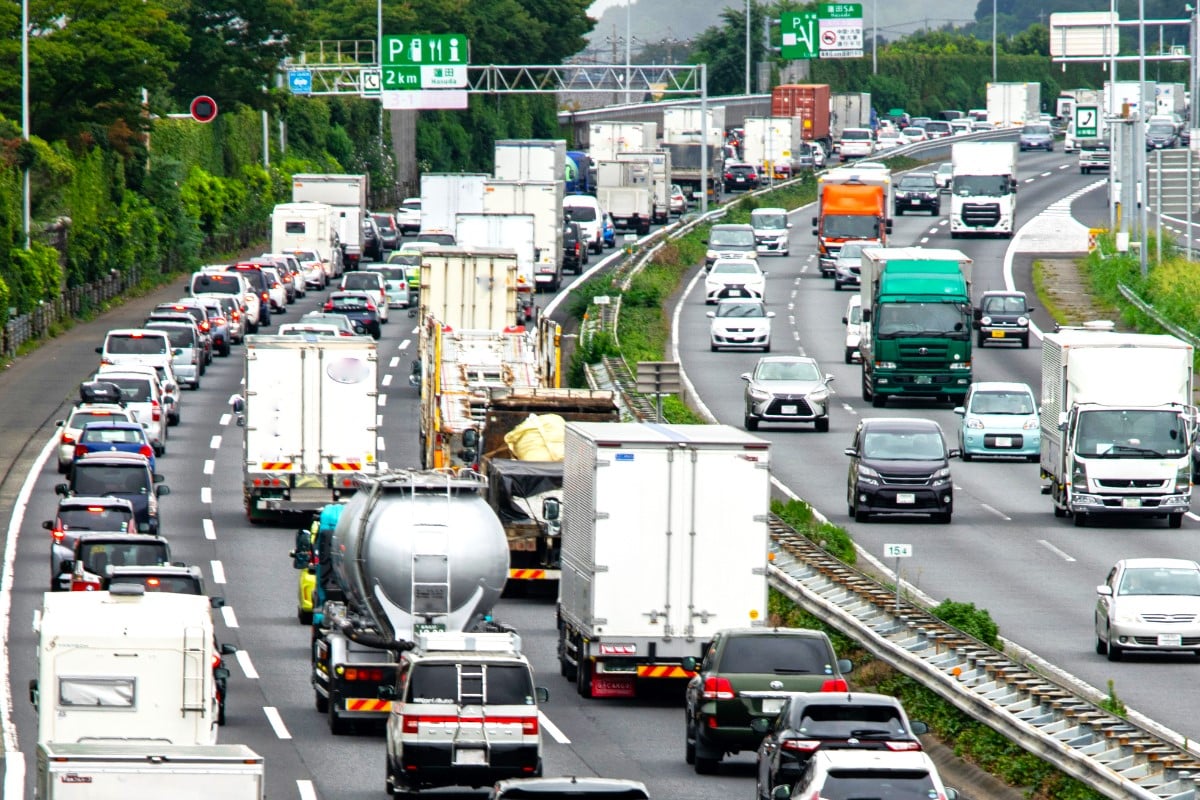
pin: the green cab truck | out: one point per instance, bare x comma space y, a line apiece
916, 336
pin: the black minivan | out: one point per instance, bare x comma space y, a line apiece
899, 465
258, 281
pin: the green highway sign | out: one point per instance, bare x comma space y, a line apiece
1087, 122
840, 11
425, 61
799, 34
840, 30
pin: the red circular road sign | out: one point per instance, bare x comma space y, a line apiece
828, 37
203, 109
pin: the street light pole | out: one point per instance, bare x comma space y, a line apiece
25, 112
747, 46
628, 50
993, 41
1140, 137
874, 37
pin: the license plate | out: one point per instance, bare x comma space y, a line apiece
1164, 640
915, 202
1003, 441
997, 334
773, 705
1131, 502
472, 757
906, 499
923, 379
740, 180
788, 409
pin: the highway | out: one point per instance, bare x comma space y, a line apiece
1005, 551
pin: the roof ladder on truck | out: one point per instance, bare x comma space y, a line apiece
195, 663
472, 691
430, 591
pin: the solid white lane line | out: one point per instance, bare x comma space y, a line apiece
387, 380
210, 530
231, 620
215, 442
382, 400
209, 466
379, 445
552, 729
218, 571
243, 659
276, 722
1055, 550
306, 790
394, 362
206, 495
997, 512
225, 419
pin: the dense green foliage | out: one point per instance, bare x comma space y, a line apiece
832, 538
967, 618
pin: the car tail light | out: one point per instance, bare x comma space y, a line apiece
370, 306
411, 724
146, 451
155, 411
328, 305
84, 583
80, 449
902, 746
728, 176
67, 439
718, 689
204, 325
236, 315
216, 659
800, 745
220, 320
58, 534
266, 296
835, 685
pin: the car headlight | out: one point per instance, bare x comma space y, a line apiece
819, 396
960, 364
758, 394
1022, 321
1078, 476
1030, 424
711, 255
885, 364
986, 320
1183, 478
974, 423
1126, 617
942, 473
868, 475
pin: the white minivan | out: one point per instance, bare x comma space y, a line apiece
136, 346
586, 210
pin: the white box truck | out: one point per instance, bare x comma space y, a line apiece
470, 289
308, 417
1170, 98
148, 771
348, 196
1068, 101
685, 125
660, 163
544, 200
625, 190
1116, 424
606, 139
1123, 98
530, 160
773, 145
1011, 105
310, 227
983, 189
445, 195
125, 665
664, 541
516, 232
848, 110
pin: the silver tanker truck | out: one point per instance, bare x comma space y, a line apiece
414, 552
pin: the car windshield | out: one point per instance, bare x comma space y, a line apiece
135, 344
1036, 130
899, 320
850, 226
787, 371
733, 268
133, 390
1160, 580
918, 182
384, 221
215, 284
106, 434
101, 479
97, 558
581, 213
851, 251
841, 721
305, 256
499, 684
82, 418
1002, 402
913, 132
436, 238
903, 446
95, 518
1130, 433
741, 310
982, 185
855, 134
894, 784
351, 303
308, 330
390, 274
1004, 304
408, 259
772, 221
1161, 130
361, 280
855, 316
179, 337
734, 238
781, 655
172, 584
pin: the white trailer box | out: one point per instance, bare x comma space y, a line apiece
848, 110
1011, 105
470, 289
773, 143
125, 665
1126, 401
1170, 98
348, 196
307, 226
445, 195
983, 194
660, 163
544, 200
515, 232
149, 771
1068, 101
684, 125
309, 419
625, 189
1126, 96
664, 541
606, 139
531, 160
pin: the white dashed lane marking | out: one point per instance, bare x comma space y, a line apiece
387, 380
206, 495
225, 419
997, 512
394, 362
210, 530
306, 790
404, 344
382, 400
215, 443
243, 659
218, 571
1055, 550
230, 618
209, 466
276, 722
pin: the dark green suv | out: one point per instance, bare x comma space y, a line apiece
745, 675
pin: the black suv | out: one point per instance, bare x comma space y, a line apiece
745, 675
899, 465
258, 282
124, 475
917, 191
575, 250
812, 721
740, 176
1002, 317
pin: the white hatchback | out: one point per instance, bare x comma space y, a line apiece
740, 323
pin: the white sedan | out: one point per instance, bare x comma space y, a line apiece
1149, 605
734, 278
740, 323
912, 135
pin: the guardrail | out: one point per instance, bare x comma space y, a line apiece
1124, 759
1150, 311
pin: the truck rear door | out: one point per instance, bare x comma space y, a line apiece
347, 384
274, 405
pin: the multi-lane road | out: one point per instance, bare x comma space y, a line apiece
1005, 551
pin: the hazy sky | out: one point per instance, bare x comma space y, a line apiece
600, 6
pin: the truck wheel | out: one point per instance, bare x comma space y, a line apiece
321, 702
1081, 520
1175, 520
1025, 342
750, 422
337, 725
1059, 511
689, 741
583, 680
878, 400
980, 339
849, 356
305, 617
707, 766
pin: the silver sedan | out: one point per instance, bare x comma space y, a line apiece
1149, 604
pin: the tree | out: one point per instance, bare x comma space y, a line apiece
235, 48
724, 50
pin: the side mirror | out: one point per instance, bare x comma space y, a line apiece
745, 376
542, 694
688, 663
33, 692
551, 509
66, 566
470, 437
845, 321
850, 451
62, 489
162, 491
228, 649
977, 314
760, 724
157, 478
221, 674
961, 411
866, 315
951, 793
888, 227
178, 351
48, 524
99, 349
1104, 590
918, 728
143, 527
814, 222
770, 315
781, 792
711, 314
358, 327
217, 602
789, 225
58, 423
829, 378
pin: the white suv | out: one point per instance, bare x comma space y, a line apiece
871, 773
856, 143
142, 396
586, 210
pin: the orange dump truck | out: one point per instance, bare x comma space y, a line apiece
853, 206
